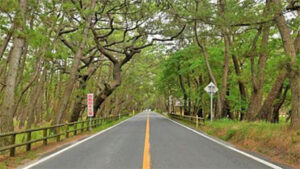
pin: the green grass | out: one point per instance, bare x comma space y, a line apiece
277, 140
227, 129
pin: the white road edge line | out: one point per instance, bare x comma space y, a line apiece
73, 145
229, 147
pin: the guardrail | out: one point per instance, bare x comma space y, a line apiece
193, 119
50, 132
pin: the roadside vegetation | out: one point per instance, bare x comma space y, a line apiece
156, 54
277, 141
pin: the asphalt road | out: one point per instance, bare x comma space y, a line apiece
172, 146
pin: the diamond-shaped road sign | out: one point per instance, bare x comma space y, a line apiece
211, 88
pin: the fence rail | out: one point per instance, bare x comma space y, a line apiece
55, 131
193, 119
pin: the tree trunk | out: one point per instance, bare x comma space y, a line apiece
109, 88
266, 108
274, 117
242, 87
257, 93
36, 93
293, 68
7, 107
22, 63
258, 81
74, 71
220, 109
6, 41
79, 106
206, 56
185, 96
189, 95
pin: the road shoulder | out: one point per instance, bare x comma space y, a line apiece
251, 154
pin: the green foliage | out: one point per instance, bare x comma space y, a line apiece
229, 134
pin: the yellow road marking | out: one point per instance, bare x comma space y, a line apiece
146, 161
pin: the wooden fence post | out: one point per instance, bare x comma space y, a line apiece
67, 130
75, 129
82, 126
13, 141
45, 135
28, 146
197, 121
58, 134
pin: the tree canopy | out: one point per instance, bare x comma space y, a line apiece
134, 54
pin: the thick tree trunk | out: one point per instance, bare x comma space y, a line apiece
274, 116
74, 70
109, 88
79, 106
266, 108
7, 107
293, 69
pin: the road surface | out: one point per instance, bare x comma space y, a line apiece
165, 145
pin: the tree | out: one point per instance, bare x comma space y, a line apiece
8, 103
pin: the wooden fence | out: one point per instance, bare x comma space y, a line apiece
56, 131
193, 119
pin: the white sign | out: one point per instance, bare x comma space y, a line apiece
211, 88
178, 103
90, 104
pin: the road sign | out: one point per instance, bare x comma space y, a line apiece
90, 104
211, 88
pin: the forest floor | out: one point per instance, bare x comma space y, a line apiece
38, 150
275, 141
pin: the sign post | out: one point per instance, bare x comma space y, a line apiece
211, 88
90, 108
170, 104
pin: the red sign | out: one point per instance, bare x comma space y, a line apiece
90, 104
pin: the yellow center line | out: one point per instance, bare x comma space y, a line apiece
146, 161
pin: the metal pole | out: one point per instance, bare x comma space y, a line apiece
90, 127
211, 106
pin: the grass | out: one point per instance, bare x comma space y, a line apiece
277, 141
37, 148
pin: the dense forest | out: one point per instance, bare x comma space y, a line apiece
135, 54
